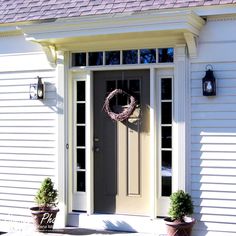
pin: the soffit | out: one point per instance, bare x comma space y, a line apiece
108, 28
116, 32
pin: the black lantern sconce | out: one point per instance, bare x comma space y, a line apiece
37, 90
209, 82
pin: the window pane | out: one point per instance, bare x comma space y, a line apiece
166, 172
81, 91
147, 56
130, 57
81, 113
112, 58
166, 112
122, 99
111, 85
81, 158
166, 137
79, 59
80, 181
81, 136
95, 58
137, 97
165, 55
166, 89
122, 84
134, 85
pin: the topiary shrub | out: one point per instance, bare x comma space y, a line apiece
181, 205
46, 195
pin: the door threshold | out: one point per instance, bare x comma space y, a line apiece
114, 222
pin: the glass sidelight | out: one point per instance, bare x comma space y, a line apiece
166, 136
80, 138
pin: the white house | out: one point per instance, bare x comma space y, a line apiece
113, 174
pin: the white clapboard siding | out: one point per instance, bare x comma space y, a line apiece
12, 191
28, 137
27, 164
22, 96
231, 139
214, 195
51, 103
30, 157
11, 211
214, 171
213, 155
19, 197
215, 228
28, 128
21, 177
213, 132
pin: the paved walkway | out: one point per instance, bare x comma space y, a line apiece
76, 231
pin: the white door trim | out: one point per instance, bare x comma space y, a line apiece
179, 116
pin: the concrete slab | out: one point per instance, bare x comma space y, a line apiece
77, 231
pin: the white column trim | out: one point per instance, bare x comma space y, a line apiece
153, 144
89, 143
61, 137
179, 118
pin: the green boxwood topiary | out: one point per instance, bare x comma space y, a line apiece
181, 205
46, 195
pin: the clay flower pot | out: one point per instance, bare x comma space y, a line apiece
176, 228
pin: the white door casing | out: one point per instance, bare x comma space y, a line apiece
178, 131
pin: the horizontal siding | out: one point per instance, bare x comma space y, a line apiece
213, 137
28, 138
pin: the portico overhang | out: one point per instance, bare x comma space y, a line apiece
116, 31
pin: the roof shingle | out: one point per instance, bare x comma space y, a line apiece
28, 10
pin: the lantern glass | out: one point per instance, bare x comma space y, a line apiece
33, 91
37, 90
209, 84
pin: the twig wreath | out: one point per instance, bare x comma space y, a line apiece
126, 112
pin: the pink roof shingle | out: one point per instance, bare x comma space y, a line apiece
28, 10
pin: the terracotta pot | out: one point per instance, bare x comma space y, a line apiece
44, 219
179, 228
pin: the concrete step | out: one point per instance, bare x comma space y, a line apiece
112, 222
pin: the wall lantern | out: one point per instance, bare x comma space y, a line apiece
209, 82
37, 90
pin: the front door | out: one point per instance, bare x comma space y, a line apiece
121, 149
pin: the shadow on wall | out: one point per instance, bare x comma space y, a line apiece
52, 99
119, 225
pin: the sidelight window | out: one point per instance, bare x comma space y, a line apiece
166, 136
80, 138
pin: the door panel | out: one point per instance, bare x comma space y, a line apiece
121, 149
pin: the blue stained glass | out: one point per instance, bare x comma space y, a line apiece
165, 55
113, 58
79, 59
147, 56
130, 57
95, 58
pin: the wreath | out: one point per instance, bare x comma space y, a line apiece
126, 112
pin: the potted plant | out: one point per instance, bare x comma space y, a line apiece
44, 214
181, 208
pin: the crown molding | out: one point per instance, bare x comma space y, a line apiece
7, 31
181, 21
61, 32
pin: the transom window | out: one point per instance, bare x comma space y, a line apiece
123, 57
